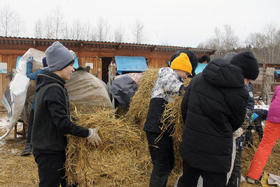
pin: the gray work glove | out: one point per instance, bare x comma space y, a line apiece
93, 137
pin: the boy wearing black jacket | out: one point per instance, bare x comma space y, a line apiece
51, 118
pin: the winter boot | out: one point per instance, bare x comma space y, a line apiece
27, 150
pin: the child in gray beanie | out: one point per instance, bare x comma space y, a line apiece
51, 118
58, 57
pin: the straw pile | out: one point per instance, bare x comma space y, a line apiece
16, 170
139, 105
121, 160
172, 118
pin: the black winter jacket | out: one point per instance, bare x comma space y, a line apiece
51, 118
213, 107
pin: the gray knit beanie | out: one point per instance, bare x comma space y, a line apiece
58, 57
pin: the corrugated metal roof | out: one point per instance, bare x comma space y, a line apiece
130, 64
97, 44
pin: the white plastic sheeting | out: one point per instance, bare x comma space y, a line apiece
15, 96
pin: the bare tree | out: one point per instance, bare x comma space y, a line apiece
9, 22
57, 22
138, 31
48, 27
223, 40
119, 34
53, 25
38, 33
229, 40
89, 33
65, 32
266, 45
76, 30
255, 40
102, 29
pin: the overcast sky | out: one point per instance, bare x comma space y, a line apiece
173, 22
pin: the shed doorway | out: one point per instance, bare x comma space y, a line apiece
105, 68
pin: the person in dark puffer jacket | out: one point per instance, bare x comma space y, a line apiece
170, 81
213, 107
51, 121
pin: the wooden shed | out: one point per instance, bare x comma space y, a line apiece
96, 54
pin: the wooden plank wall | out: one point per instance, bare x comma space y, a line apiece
4, 80
155, 59
97, 64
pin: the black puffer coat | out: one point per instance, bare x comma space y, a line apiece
213, 107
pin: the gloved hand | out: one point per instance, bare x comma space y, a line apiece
93, 137
30, 59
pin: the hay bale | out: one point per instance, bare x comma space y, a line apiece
122, 159
139, 105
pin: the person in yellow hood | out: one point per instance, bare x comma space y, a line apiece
170, 81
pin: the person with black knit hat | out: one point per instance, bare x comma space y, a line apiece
52, 121
241, 138
248, 63
205, 59
213, 107
170, 81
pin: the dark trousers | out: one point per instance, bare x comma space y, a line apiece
50, 168
30, 124
162, 155
210, 179
257, 125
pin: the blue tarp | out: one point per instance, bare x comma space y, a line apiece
76, 63
277, 72
130, 64
200, 67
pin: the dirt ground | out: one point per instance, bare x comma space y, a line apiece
17, 171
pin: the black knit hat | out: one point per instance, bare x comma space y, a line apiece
204, 58
248, 63
191, 56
